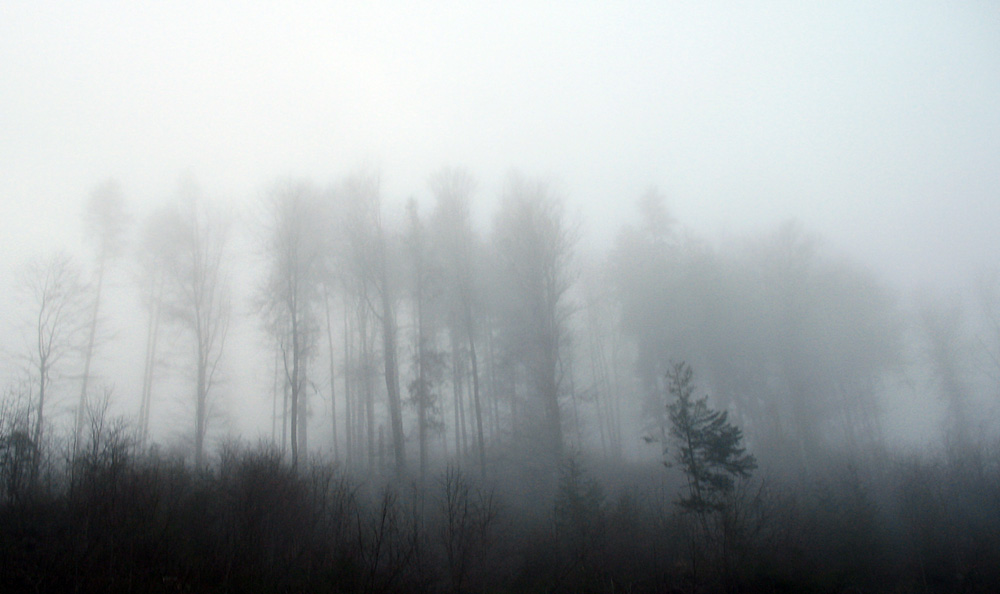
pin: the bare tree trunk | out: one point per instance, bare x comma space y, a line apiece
200, 409
88, 355
333, 375
36, 459
494, 392
599, 378
274, 398
616, 390
295, 386
550, 395
457, 379
152, 337
576, 406
422, 394
349, 396
475, 389
284, 415
392, 380
304, 408
369, 389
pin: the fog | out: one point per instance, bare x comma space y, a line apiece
394, 243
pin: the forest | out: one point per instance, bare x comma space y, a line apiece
326, 389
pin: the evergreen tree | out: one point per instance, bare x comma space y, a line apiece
709, 447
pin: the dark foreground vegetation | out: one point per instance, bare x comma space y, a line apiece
122, 520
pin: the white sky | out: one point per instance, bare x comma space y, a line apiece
876, 124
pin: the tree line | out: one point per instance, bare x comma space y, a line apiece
404, 341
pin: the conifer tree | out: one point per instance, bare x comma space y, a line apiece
709, 449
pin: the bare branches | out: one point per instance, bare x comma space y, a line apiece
187, 245
55, 294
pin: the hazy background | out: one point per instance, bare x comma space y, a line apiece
874, 124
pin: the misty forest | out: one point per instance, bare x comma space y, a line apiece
459, 297
462, 405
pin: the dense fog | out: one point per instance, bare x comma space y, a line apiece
419, 302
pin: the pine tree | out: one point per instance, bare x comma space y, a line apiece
709, 447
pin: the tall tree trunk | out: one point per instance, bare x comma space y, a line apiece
422, 395
152, 337
367, 367
492, 365
392, 379
549, 388
304, 408
294, 385
576, 407
333, 375
284, 414
88, 355
349, 393
475, 390
461, 438
36, 459
274, 398
200, 422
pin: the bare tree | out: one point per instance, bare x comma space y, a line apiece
197, 292
17, 450
534, 243
153, 250
456, 239
296, 256
105, 221
369, 255
427, 360
333, 371
945, 350
55, 294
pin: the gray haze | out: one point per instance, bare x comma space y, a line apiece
874, 125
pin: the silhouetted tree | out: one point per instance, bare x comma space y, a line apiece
197, 293
578, 510
296, 253
106, 222
457, 247
368, 241
534, 242
427, 360
153, 250
56, 295
17, 450
709, 449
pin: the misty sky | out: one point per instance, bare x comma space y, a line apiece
876, 125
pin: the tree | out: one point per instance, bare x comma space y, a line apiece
370, 267
295, 251
578, 509
794, 342
945, 351
153, 249
456, 241
709, 449
710, 452
426, 358
105, 221
197, 292
534, 243
55, 294
17, 450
